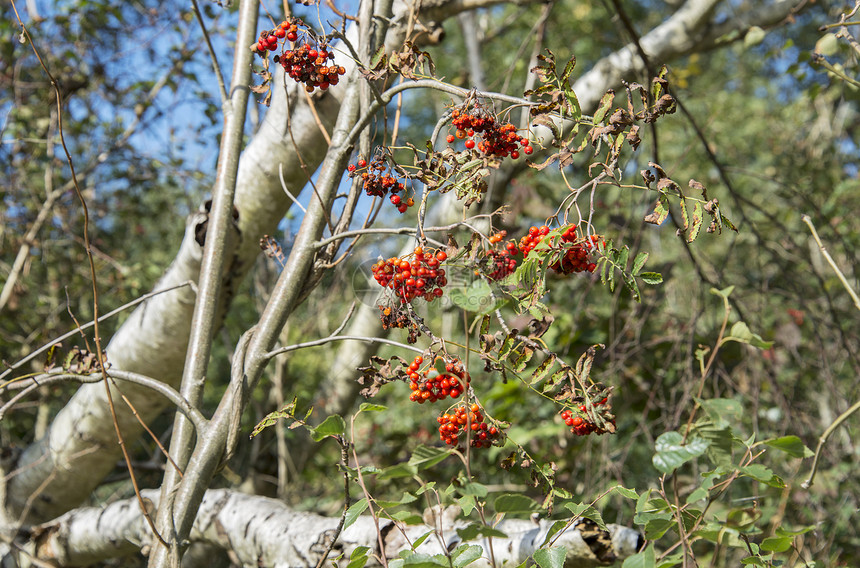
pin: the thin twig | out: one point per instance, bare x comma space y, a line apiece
225, 98
333, 338
194, 415
856, 406
92, 323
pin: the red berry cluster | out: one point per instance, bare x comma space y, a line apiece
451, 426
268, 40
532, 238
577, 257
497, 264
583, 426
419, 277
310, 63
399, 318
379, 180
431, 385
578, 250
497, 138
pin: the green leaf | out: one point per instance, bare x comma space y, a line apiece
508, 343
475, 530
368, 407
753, 561
754, 36
724, 293
523, 359
331, 426
656, 528
623, 255
741, 333
671, 454
418, 560
645, 559
408, 517
632, 286
763, 474
685, 216
359, 557
553, 530
639, 262
624, 492
671, 561
723, 412
776, 544
420, 540
660, 213
476, 489
271, 418
652, 278
467, 504
550, 557
568, 69
587, 511
465, 554
396, 471
792, 445
561, 493
695, 222
378, 57
542, 370
407, 497
425, 456
603, 106
477, 297
354, 511
514, 503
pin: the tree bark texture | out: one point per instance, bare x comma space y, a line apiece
259, 531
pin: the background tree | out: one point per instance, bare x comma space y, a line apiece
720, 140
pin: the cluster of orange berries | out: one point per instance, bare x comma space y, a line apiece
497, 264
420, 277
431, 385
582, 426
497, 138
310, 63
379, 180
452, 426
576, 258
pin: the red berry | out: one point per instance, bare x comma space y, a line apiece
528, 150
515, 154
292, 36
362, 163
441, 256
470, 144
351, 167
450, 139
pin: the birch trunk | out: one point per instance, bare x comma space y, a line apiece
258, 531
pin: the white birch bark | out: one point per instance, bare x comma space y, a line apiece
264, 532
